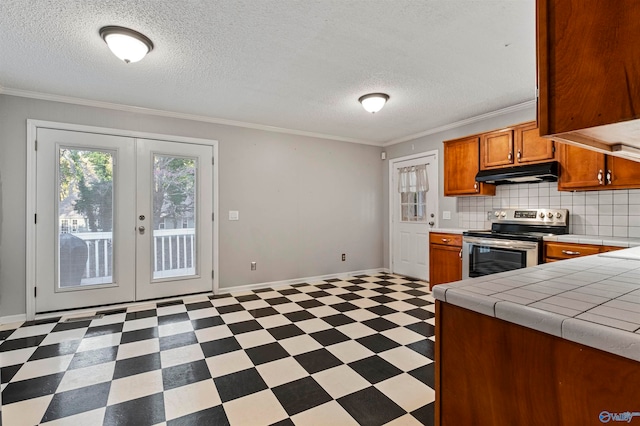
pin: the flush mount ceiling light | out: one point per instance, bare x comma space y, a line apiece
373, 102
126, 44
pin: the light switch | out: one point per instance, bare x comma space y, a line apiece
446, 214
234, 215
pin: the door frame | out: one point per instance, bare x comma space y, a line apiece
31, 146
392, 166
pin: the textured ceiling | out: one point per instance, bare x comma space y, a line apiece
294, 64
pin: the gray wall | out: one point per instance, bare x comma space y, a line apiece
302, 201
434, 142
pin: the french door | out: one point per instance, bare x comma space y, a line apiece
120, 219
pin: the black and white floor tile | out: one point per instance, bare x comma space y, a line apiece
335, 352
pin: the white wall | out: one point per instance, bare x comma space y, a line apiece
302, 201
433, 142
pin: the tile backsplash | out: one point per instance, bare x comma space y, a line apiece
609, 213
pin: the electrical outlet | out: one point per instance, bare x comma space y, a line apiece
344, 257
254, 265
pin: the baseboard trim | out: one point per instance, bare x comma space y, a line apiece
13, 318
276, 284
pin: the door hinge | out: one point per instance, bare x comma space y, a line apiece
35, 218
213, 217
553, 148
213, 161
35, 292
36, 145
212, 274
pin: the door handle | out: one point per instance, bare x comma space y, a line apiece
571, 253
431, 223
600, 181
519, 155
460, 254
510, 156
609, 177
141, 229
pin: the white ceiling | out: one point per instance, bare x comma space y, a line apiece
294, 64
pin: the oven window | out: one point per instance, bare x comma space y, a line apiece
485, 260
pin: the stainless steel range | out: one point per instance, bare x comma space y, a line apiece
514, 241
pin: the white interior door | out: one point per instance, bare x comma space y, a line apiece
413, 213
120, 219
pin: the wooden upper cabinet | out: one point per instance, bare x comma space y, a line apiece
580, 169
622, 173
589, 70
515, 146
496, 149
461, 166
530, 148
584, 170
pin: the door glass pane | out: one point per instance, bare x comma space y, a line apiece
174, 216
85, 217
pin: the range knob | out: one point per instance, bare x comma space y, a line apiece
550, 215
541, 215
497, 213
558, 215
503, 214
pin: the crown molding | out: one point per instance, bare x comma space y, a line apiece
162, 113
481, 117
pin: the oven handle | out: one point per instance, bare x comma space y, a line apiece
519, 245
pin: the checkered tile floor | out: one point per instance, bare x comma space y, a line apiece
336, 352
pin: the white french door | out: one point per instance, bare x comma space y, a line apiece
120, 219
413, 213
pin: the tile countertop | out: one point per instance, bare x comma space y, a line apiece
592, 300
595, 240
454, 231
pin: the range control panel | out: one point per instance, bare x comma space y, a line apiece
556, 217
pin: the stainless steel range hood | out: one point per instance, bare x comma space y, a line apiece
531, 173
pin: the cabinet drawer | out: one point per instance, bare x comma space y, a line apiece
569, 250
445, 239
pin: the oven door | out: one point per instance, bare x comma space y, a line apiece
484, 256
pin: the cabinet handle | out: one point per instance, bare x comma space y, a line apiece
445, 240
460, 254
510, 156
519, 155
609, 176
571, 253
475, 186
600, 181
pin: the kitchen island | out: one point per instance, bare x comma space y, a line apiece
555, 344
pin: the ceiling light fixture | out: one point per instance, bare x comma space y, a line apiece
126, 44
373, 102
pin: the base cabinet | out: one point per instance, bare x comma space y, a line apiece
492, 372
445, 258
554, 251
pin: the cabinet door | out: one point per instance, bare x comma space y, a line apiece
530, 147
445, 264
622, 173
588, 63
496, 149
461, 167
580, 168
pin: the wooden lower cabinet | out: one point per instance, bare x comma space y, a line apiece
554, 251
445, 258
492, 372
